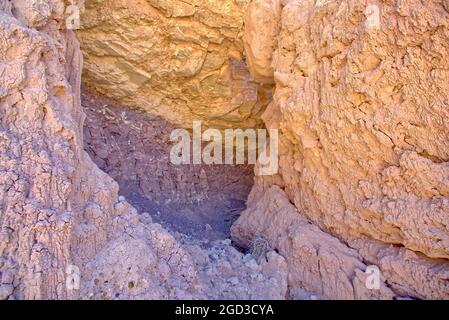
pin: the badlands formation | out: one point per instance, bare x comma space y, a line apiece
86, 187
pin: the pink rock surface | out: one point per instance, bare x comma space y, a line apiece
59, 213
362, 108
363, 115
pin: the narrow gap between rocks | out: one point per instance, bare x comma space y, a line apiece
133, 147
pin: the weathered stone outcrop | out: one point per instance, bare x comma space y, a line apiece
260, 37
362, 109
181, 60
57, 209
60, 214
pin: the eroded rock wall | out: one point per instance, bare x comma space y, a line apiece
40, 151
59, 213
57, 209
363, 114
181, 60
363, 117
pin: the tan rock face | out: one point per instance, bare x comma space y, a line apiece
364, 146
57, 209
181, 60
60, 214
363, 113
260, 37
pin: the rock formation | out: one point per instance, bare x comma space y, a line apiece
357, 89
363, 115
181, 60
59, 213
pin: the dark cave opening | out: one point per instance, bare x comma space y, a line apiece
133, 147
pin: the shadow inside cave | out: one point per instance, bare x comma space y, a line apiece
133, 147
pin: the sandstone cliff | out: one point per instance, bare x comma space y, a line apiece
362, 110
60, 214
57, 208
182, 60
363, 115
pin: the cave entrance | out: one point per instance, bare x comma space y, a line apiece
133, 147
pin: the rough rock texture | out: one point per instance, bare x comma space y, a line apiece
260, 37
147, 262
58, 210
181, 60
133, 147
364, 155
43, 166
56, 207
363, 115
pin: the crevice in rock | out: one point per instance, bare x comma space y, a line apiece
133, 147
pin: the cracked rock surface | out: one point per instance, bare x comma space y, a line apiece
362, 113
133, 147
59, 211
180, 60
